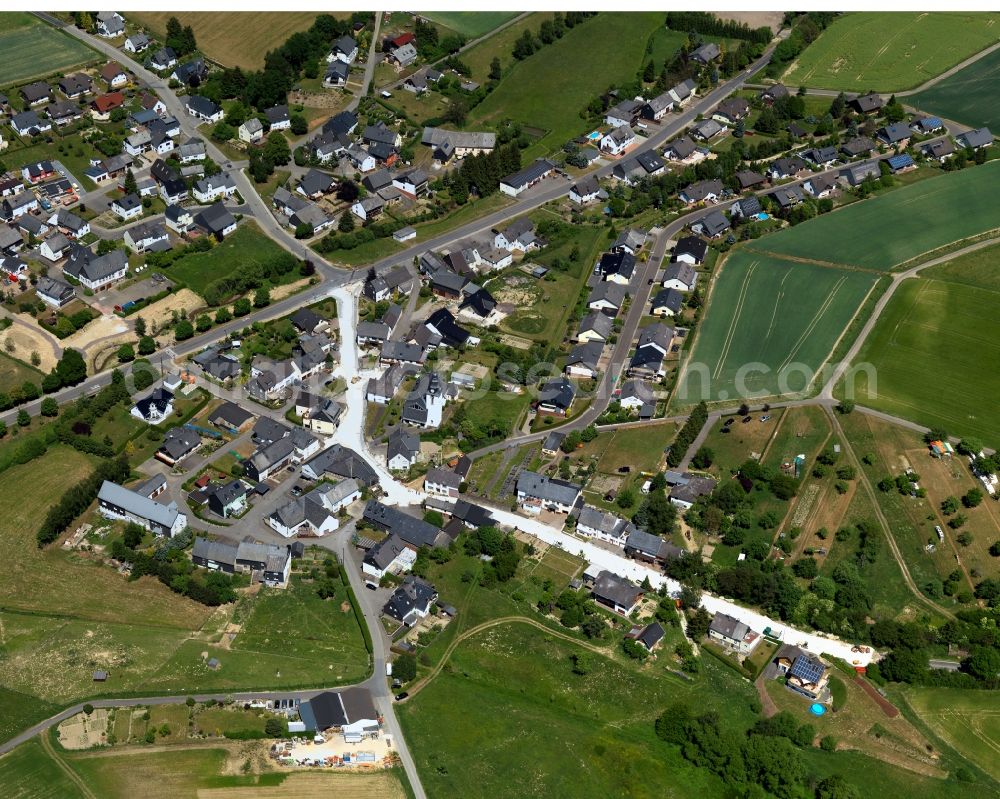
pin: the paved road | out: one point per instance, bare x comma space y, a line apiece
373, 59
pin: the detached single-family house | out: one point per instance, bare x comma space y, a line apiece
514, 184
731, 110
278, 117
651, 351
867, 103
403, 449
822, 157
556, 396
127, 207
603, 525
619, 140
305, 515
117, 502
595, 327
607, 297
583, 359
202, 108
137, 42
614, 592
442, 482
37, 93
163, 59
704, 191
895, 134
178, 219
109, 24
706, 130
252, 130
149, 236
733, 634
76, 85
782, 168
54, 247
858, 146
617, 267
940, 150
210, 189
413, 599
345, 49
586, 190
216, 221
391, 555
855, 174
538, 492
114, 75
690, 250
518, 236
679, 275
402, 57
54, 292
624, 114
657, 108
680, 149
28, 123
820, 186
667, 302
706, 53
975, 139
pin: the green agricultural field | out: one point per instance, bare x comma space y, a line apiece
969, 96
890, 51
29, 773
21, 42
541, 92
471, 24
968, 721
500, 45
896, 227
246, 245
930, 350
770, 325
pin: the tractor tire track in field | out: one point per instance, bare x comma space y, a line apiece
731, 333
883, 522
75, 778
821, 311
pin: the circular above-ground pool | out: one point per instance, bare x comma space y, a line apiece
817, 709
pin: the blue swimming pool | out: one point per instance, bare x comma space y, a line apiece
594, 136
762, 217
817, 709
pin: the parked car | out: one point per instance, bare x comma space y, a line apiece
765, 418
729, 422
402, 696
747, 419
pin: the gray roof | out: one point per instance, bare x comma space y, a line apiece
602, 520
714, 223
613, 293
411, 529
728, 627
530, 173
386, 551
343, 462
587, 354
975, 138
682, 271
301, 509
444, 477
482, 140
137, 504
543, 487
597, 322
338, 491
697, 192
617, 590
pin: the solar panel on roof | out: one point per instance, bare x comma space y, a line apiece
807, 669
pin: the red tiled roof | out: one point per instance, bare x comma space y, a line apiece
107, 102
403, 38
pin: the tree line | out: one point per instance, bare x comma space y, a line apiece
76, 499
711, 25
687, 434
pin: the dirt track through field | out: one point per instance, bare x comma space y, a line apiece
64, 767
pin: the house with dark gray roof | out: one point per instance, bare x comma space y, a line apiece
679, 275
403, 449
651, 351
733, 634
667, 302
412, 530
583, 359
411, 601
712, 225
556, 396
117, 502
975, 139
538, 492
340, 461
390, 555
616, 593
650, 548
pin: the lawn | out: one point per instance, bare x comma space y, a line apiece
769, 328
968, 721
540, 92
500, 45
898, 226
234, 39
890, 51
29, 773
731, 449
14, 373
929, 352
502, 406
246, 245
639, 447
21, 44
471, 24
969, 96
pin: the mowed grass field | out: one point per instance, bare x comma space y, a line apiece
893, 228
971, 95
550, 88
770, 325
932, 352
233, 38
891, 51
29, 773
969, 721
471, 24
23, 42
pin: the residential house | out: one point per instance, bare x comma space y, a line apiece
76, 85
733, 634
538, 492
227, 499
556, 396
443, 324
28, 123
668, 302
603, 525
340, 461
975, 139
748, 179
178, 219
704, 191
114, 75
445, 283
690, 250
858, 146
867, 103
391, 555
607, 297
400, 352
413, 184
746, 208
586, 190
54, 247
804, 672
821, 157
103, 105
202, 108
403, 449
425, 403
305, 515
820, 186
706, 53
163, 59
624, 114
690, 490
712, 225
684, 91
127, 207
583, 359
651, 351
448, 144
345, 49
337, 496
54, 292
478, 305
278, 117
680, 149
629, 241
37, 93
231, 417
926, 125
553, 443
190, 72
251, 131
315, 184
855, 174
136, 43
731, 110
617, 141
412, 600
109, 24
269, 563
117, 502
657, 108
788, 196
523, 179
412, 530
494, 259
210, 189
901, 163
769, 94
149, 236
178, 444
707, 130
680, 276
895, 134
614, 592
644, 546
782, 168
442, 482
402, 57
617, 267
215, 221
595, 327
637, 395
155, 407
96, 272
940, 150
